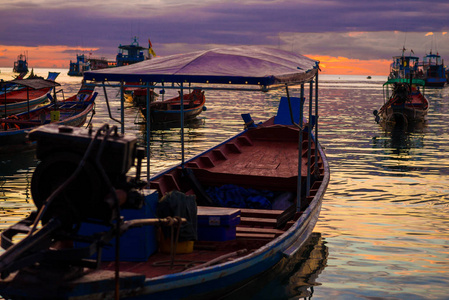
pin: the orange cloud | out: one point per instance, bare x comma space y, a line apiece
429, 33
347, 66
41, 56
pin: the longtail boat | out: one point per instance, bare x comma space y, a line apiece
404, 102
72, 111
198, 230
27, 94
169, 111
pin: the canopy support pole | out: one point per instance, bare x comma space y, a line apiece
107, 104
316, 125
299, 126
309, 145
122, 108
148, 130
181, 94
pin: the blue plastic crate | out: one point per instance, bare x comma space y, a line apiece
217, 223
136, 244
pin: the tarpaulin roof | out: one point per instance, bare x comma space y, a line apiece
35, 83
231, 65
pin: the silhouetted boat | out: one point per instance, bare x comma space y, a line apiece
248, 204
71, 112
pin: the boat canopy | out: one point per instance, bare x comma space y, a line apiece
34, 83
405, 80
252, 65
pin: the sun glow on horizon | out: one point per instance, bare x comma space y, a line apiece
346, 66
42, 56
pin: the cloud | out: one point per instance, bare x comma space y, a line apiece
429, 33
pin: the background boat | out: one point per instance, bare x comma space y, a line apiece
21, 64
168, 112
26, 94
433, 70
72, 111
404, 102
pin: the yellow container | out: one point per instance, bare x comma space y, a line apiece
55, 115
182, 247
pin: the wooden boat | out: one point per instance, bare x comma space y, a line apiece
71, 112
222, 245
28, 94
406, 104
169, 111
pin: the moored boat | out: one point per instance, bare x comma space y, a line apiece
78, 67
169, 111
433, 70
248, 204
404, 66
21, 64
71, 112
32, 93
404, 102
131, 54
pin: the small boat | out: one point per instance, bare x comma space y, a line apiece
25, 94
21, 64
198, 230
407, 104
71, 112
169, 111
433, 70
368, 77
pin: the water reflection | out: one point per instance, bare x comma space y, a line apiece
295, 279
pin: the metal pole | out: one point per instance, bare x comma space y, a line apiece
122, 107
181, 94
148, 127
316, 123
309, 146
301, 116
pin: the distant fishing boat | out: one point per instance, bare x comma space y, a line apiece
404, 66
433, 70
78, 67
133, 53
21, 64
26, 94
403, 102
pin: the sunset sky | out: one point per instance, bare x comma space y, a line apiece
347, 36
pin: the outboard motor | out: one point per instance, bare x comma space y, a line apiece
76, 181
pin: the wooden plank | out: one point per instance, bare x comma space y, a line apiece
242, 229
263, 213
254, 236
257, 221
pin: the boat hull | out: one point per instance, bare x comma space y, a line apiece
22, 106
15, 138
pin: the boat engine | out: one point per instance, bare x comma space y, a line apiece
77, 180
80, 170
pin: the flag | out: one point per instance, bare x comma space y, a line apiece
150, 49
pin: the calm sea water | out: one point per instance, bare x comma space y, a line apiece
384, 228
